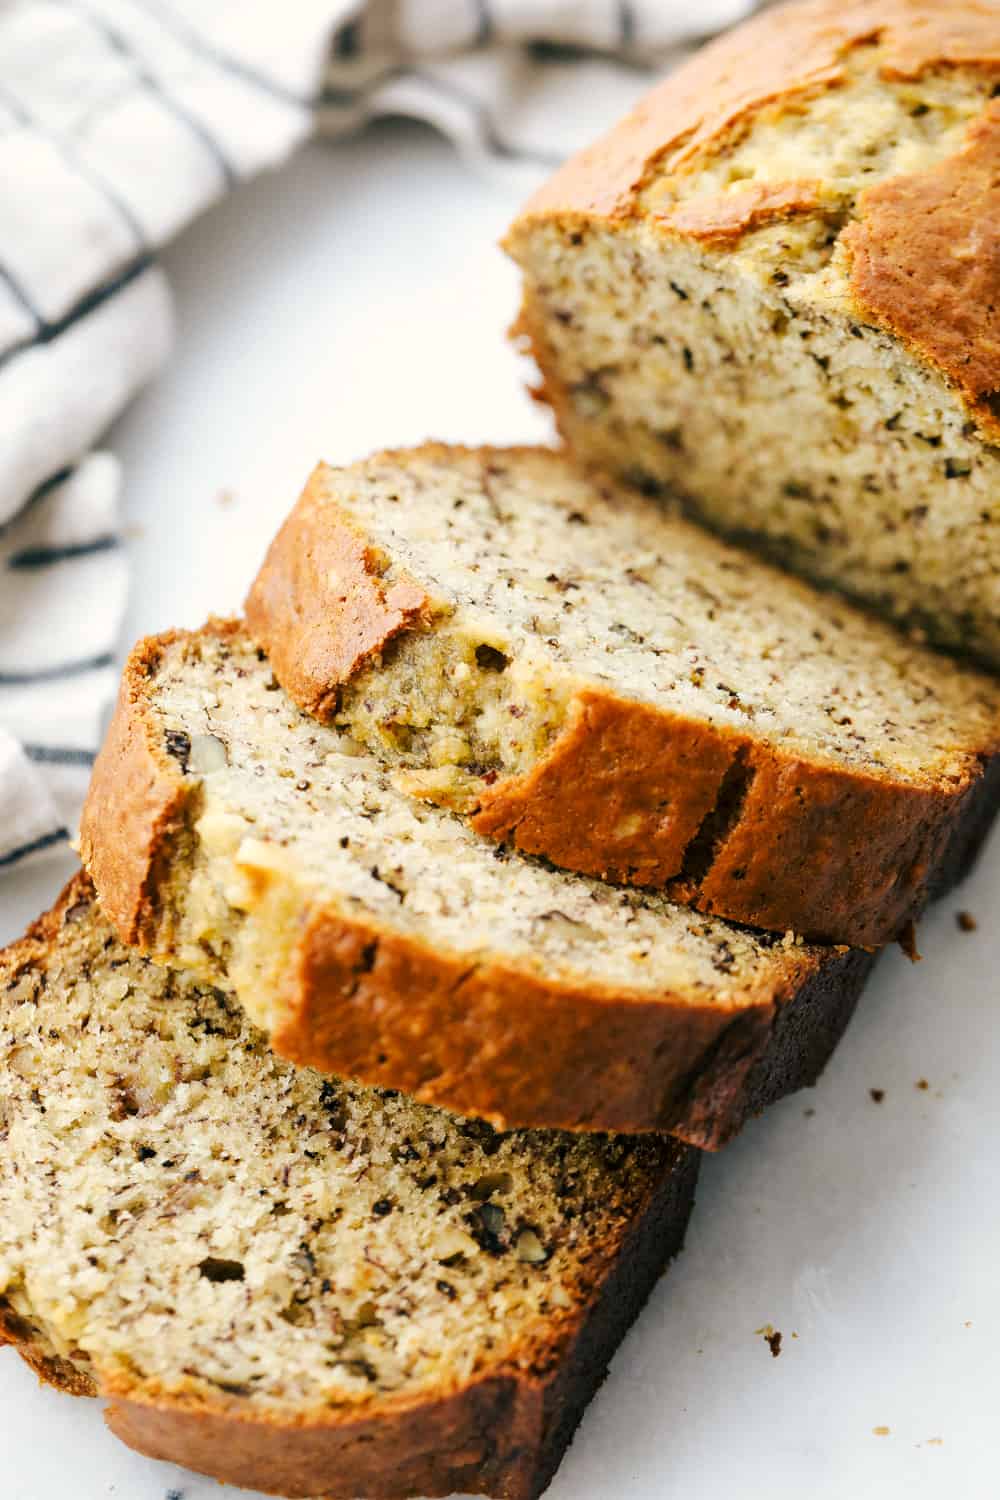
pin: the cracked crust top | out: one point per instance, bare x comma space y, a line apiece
789, 51
925, 261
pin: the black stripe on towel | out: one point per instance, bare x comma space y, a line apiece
347, 41
88, 303
35, 498
46, 841
193, 39
32, 558
120, 43
485, 28
20, 295
52, 674
59, 755
336, 96
64, 148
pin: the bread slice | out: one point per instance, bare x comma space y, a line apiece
377, 937
774, 291
591, 680
287, 1282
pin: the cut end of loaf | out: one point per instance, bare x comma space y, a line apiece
605, 685
789, 323
188, 1216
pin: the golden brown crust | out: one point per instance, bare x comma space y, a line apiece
787, 51
925, 263
725, 821
495, 1041
725, 218
50, 1367
621, 792
492, 1039
729, 824
137, 806
315, 569
466, 1443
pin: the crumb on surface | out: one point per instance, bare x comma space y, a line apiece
922, 1084
966, 921
877, 1094
772, 1338
225, 497
880, 1431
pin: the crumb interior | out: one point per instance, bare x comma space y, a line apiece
289, 815
545, 585
180, 1206
741, 379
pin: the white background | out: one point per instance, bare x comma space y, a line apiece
357, 301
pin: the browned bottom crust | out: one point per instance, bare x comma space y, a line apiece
29, 1342
527, 1056
512, 1050
503, 1434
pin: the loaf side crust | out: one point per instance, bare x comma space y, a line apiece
137, 808
509, 1047
502, 1433
925, 263
789, 50
788, 843
494, 1040
309, 567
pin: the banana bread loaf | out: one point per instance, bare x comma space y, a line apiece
289, 1282
774, 292
594, 681
378, 937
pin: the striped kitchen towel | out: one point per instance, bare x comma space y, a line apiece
119, 121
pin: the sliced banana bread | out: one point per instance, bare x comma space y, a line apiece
594, 681
774, 291
288, 1282
376, 936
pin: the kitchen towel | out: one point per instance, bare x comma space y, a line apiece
119, 121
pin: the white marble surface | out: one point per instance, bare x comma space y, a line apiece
357, 301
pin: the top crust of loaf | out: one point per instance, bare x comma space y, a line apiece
763, 828
904, 275
788, 51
